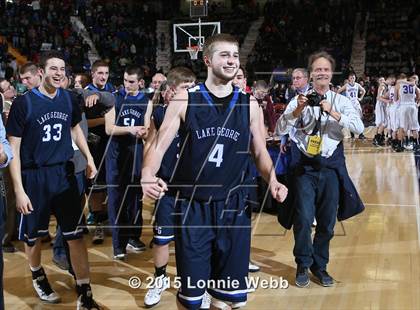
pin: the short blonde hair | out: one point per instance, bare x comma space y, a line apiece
180, 75
210, 42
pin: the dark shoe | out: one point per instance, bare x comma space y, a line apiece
323, 277
119, 254
98, 235
61, 262
46, 239
9, 248
302, 277
85, 300
136, 245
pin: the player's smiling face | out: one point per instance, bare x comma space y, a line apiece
100, 76
54, 72
225, 60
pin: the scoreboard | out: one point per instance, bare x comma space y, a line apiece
198, 8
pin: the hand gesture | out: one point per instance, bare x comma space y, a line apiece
153, 188
278, 190
91, 100
23, 204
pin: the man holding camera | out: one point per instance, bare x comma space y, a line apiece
319, 181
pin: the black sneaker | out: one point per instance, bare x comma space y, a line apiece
98, 234
375, 140
85, 300
120, 254
43, 288
9, 248
323, 277
136, 245
302, 277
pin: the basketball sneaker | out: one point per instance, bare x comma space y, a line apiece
43, 288
98, 234
206, 302
136, 245
252, 267
85, 300
154, 294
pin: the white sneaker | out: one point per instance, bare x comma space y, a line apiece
252, 267
237, 305
409, 147
251, 289
153, 295
205, 303
120, 256
44, 290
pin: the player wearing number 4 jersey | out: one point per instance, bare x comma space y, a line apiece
127, 125
40, 127
218, 123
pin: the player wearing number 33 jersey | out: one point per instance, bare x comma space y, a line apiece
44, 125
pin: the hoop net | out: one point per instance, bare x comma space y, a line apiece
193, 51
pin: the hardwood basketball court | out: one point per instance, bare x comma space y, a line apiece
375, 256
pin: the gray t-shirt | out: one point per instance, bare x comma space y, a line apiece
105, 99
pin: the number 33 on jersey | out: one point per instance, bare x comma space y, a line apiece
44, 125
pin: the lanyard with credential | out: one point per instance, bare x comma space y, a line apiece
315, 141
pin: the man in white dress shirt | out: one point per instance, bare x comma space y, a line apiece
318, 167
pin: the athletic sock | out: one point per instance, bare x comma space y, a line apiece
160, 271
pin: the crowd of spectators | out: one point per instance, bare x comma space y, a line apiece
393, 39
293, 30
123, 33
33, 26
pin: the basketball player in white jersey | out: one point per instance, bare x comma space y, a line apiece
380, 114
352, 89
407, 94
389, 97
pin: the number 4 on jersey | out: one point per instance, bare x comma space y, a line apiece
216, 155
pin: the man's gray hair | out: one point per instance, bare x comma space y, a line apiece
302, 70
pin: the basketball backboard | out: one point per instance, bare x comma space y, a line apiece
193, 34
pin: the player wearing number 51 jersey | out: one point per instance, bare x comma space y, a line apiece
127, 126
40, 127
212, 236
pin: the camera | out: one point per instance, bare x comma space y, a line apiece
314, 99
